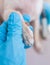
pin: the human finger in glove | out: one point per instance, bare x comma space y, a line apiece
12, 50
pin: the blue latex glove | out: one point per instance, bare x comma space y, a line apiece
13, 48
27, 18
47, 10
3, 33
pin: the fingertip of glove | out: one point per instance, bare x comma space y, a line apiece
14, 18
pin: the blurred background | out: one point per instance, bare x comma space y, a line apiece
33, 58
47, 0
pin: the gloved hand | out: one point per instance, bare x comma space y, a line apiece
12, 43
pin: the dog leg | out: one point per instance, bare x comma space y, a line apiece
38, 45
